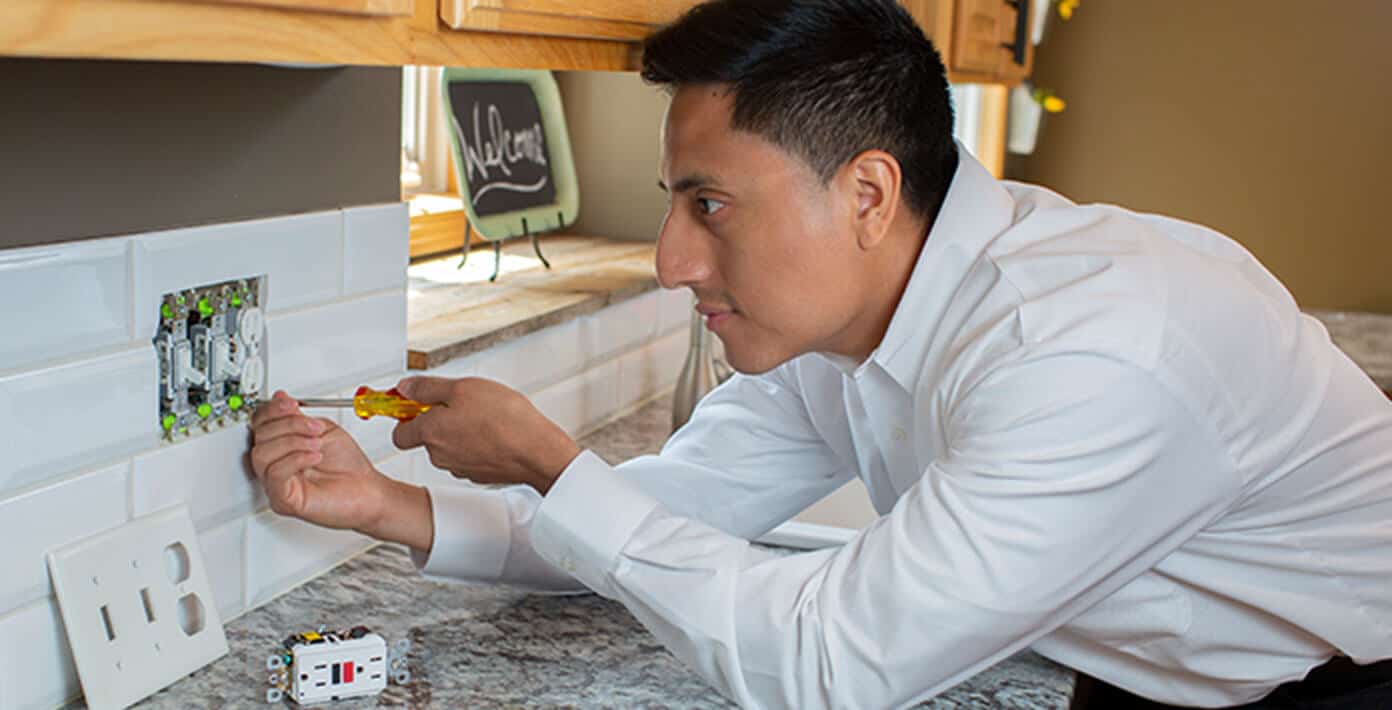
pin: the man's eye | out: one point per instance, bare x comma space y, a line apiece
709, 206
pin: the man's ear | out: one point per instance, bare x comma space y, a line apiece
876, 181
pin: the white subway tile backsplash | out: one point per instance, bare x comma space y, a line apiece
536, 359
651, 369
402, 466
376, 242
579, 403
673, 309
330, 347
427, 475
222, 557
336, 304
619, 327
36, 665
301, 255
85, 293
211, 473
466, 366
65, 417
35, 522
282, 553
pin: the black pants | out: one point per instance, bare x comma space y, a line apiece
1339, 684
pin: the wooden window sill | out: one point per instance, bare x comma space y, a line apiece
453, 312
437, 225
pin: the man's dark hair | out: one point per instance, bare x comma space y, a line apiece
825, 80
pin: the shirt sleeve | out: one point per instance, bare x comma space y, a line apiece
749, 459
1065, 477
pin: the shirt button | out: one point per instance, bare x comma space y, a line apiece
900, 434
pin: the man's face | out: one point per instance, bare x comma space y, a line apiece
766, 248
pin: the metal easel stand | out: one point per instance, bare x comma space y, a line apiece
498, 246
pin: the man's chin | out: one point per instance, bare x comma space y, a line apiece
747, 363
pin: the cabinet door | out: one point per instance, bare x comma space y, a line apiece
977, 31
935, 17
353, 7
983, 34
1011, 71
599, 19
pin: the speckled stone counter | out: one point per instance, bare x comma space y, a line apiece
1366, 338
495, 647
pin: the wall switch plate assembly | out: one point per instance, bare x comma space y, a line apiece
137, 607
211, 362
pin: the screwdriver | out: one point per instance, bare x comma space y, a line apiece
368, 403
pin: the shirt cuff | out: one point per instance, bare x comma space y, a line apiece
587, 518
473, 533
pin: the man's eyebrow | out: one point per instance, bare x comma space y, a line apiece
688, 182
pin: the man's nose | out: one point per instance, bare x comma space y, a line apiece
682, 256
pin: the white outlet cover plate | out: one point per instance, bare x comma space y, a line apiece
105, 584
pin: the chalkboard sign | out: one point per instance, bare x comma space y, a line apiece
511, 150
506, 163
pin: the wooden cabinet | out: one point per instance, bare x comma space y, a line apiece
543, 34
360, 32
598, 19
990, 41
351, 7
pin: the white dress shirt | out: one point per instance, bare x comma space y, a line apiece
1108, 436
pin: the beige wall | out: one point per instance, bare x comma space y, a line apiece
91, 149
614, 121
1270, 121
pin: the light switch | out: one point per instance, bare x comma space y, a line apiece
211, 366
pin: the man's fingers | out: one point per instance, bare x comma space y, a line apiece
279, 405
409, 435
425, 389
287, 426
265, 454
285, 485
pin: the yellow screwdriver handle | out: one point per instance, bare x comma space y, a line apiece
368, 402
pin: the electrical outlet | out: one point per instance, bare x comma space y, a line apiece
137, 608
320, 666
211, 363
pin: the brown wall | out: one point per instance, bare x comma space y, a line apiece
615, 121
1269, 121
91, 149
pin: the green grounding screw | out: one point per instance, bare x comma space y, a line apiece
169, 421
204, 307
205, 410
235, 402
236, 301
166, 311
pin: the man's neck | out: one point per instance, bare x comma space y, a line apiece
888, 277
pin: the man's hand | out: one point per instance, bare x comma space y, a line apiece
313, 470
485, 432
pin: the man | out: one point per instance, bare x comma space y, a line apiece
1108, 436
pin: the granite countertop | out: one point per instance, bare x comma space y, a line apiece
1366, 338
491, 646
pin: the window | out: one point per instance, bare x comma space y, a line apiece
979, 122
424, 142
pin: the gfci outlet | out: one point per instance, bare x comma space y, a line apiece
137, 608
211, 356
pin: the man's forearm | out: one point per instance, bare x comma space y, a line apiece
405, 516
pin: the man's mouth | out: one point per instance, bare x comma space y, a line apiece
714, 315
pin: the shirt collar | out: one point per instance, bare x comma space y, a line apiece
976, 209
